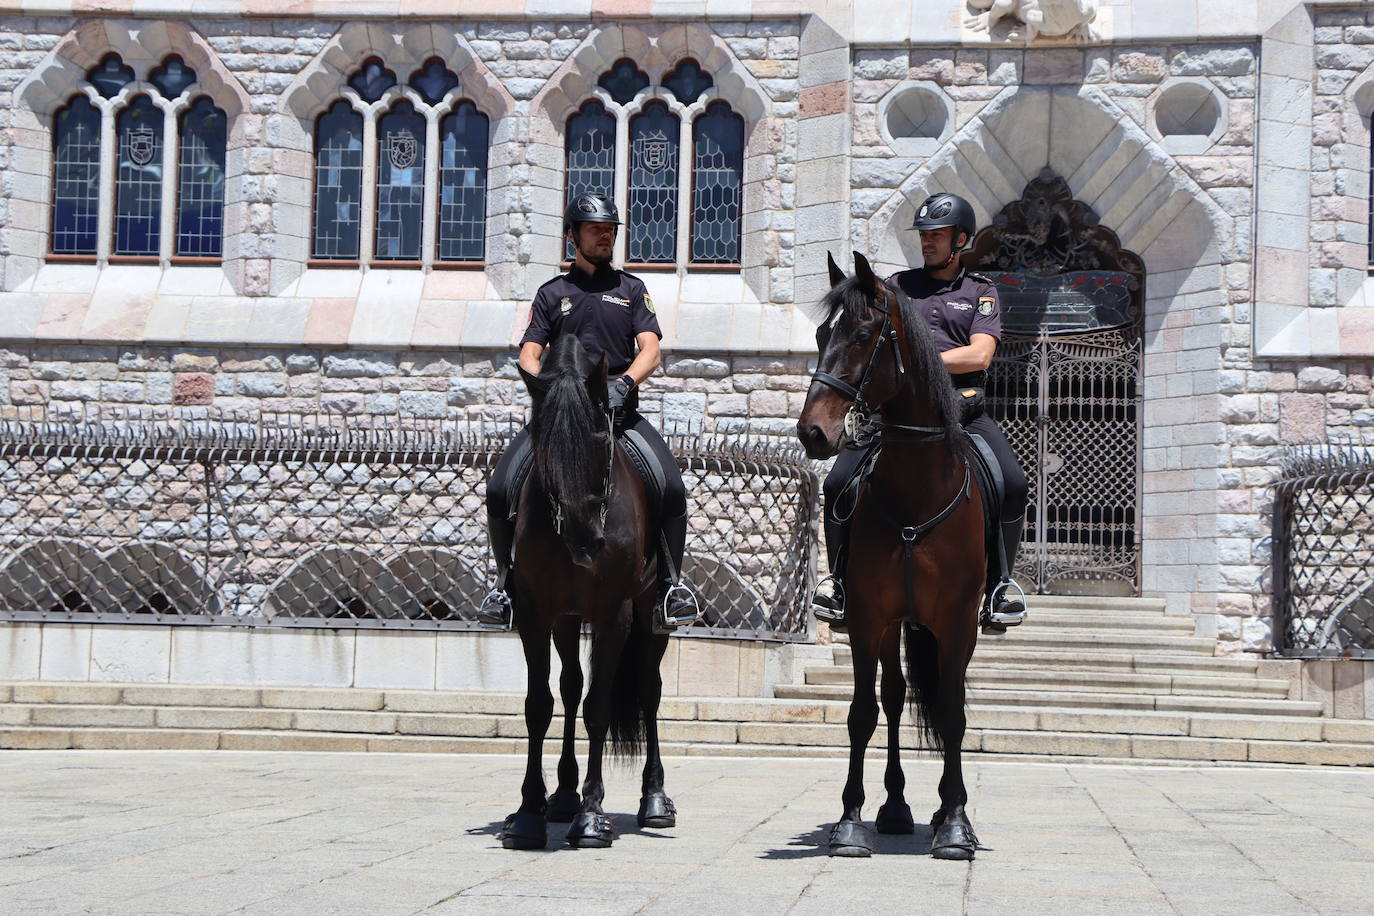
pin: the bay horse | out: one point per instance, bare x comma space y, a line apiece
917, 555
582, 548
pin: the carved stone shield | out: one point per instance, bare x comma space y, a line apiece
401, 149
141, 143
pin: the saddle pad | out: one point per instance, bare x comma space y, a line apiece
642, 457
990, 480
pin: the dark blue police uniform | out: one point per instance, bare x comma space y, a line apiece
606, 310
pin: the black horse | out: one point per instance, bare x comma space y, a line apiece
917, 551
582, 553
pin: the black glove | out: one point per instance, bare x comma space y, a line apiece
972, 404
618, 390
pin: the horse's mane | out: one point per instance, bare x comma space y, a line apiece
564, 429
928, 369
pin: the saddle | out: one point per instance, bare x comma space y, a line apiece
994, 489
641, 456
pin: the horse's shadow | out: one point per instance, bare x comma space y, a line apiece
625, 825
817, 843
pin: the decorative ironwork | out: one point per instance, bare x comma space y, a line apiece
76, 178
138, 181
717, 185
1066, 383
200, 180
1323, 554
652, 225
173, 517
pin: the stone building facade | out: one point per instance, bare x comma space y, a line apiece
1227, 145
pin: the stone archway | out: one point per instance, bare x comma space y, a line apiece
1067, 386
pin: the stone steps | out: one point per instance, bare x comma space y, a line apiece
50, 715
1103, 681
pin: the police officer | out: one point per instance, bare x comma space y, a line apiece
966, 322
612, 313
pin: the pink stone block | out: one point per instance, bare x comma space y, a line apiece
826, 99
1357, 331
124, 323
613, 9
1302, 419
193, 388
62, 315
330, 322
456, 284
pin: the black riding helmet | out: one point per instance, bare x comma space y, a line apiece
590, 208
944, 209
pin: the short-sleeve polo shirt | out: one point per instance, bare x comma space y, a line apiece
606, 310
955, 310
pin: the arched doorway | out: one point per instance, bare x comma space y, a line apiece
1066, 385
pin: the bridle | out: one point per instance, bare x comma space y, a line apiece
860, 426
557, 501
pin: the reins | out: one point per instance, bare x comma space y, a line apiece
557, 501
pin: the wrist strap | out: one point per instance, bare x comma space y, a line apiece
628, 379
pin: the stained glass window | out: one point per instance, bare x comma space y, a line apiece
623, 81
76, 178
590, 153
463, 184
400, 184
110, 75
717, 185
433, 81
138, 179
652, 224
200, 181
172, 78
338, 182
687, 82
372, 80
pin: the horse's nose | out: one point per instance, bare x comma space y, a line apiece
812, 437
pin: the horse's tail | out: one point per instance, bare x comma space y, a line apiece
627, 716
923, 682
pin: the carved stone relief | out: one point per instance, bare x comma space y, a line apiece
1031, 19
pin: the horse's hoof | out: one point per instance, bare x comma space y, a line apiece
563, 806
851, 840
895, 817
591, 831
657, 810
524, 830
954, 841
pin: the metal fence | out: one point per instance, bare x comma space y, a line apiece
1323, 544
187, 517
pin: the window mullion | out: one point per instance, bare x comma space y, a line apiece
684, 189
622, 180
105, 222
367, 217
430, 225
170, 174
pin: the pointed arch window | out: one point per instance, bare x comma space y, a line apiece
424, 203
680, 178
166, 166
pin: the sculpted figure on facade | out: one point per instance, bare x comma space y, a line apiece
1036, 18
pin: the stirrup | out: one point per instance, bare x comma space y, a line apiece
494, 613
1001, 611
679, 608
829, 609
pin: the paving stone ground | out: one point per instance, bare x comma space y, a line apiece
172, 832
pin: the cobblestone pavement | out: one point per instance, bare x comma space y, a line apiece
170, 832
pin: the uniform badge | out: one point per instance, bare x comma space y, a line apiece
565, 305
649, 303
986, 305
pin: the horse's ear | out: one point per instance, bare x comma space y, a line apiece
536, 386
863, 271
836, 275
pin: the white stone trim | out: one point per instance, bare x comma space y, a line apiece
916, 147
1168, 96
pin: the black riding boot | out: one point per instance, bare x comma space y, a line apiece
678, 606
494, 613
1006, 605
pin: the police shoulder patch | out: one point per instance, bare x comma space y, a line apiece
565, 305
649, 303
986, 305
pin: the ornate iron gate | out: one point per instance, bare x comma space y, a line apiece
1066, 385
